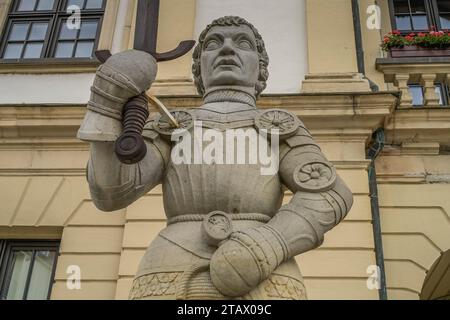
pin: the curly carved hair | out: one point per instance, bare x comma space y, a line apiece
263, 56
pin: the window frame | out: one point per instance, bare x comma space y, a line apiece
55, 18
431, 10
444, 93
6, 249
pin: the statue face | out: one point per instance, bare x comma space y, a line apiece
230, 57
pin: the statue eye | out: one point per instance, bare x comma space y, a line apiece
245, 44
212, 45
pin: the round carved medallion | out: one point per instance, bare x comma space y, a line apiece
217, 227
164, 126
316, 176
278, 122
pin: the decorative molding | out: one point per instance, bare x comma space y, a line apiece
348, 117
392, 66
419, 125
335, 82
48, 66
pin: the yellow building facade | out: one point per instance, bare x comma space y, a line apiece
317, 75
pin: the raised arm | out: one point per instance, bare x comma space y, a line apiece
119, 80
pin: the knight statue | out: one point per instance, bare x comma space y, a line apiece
228, 236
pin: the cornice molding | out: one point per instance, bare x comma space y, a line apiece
332, 117
419, 125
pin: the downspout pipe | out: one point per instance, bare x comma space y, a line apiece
359, 45
377, 145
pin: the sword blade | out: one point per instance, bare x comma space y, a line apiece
146, 32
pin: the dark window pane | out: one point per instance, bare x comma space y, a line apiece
443, 5
78, 3
41, 275
84, 49
403, 22
94, 4
417, 6
38, 31
420, 22
445, 21
88, 30
401, 6
13, 51
67, 33
417, 95
33, 50
26, 5
45, 5
64, 50
18, 32
20, 267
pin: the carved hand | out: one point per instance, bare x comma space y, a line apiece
249, 257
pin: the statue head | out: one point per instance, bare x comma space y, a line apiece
230, 53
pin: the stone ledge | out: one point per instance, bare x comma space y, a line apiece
390, 67
48, 66
424, 125
345, 116
335, 82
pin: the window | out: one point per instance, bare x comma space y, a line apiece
27, 269
47, 29
420, 15
417, 94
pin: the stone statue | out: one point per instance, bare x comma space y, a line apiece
228, 235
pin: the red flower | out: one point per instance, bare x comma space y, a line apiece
412, 34
396, 32
421, 34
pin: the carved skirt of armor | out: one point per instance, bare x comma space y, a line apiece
176, 266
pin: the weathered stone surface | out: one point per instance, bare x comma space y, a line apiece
255, 259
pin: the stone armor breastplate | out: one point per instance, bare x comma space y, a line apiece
194, 189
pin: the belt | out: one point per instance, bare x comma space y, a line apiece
217, 226
234, 216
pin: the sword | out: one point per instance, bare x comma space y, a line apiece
130, 147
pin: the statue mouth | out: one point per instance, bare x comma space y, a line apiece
227, 62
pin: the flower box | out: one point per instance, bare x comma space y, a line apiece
416, 51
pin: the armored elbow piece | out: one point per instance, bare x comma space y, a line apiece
321, 199
121, 77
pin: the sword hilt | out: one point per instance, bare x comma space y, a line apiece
130, 147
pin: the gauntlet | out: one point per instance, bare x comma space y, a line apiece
249, 257
121, 77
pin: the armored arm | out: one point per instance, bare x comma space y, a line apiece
114, 185
120, 80
321, 200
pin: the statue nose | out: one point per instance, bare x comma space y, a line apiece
227, 48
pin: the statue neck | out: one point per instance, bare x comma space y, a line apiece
230, 94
